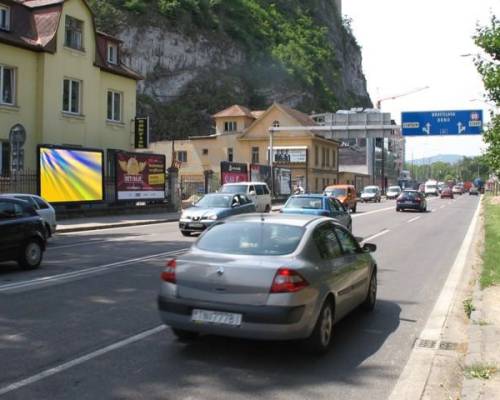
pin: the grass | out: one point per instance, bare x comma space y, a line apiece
480, 371
468, 307
491, 271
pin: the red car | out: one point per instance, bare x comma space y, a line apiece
447, 193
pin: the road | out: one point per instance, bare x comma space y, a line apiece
85, 325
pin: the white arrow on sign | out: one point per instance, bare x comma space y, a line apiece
427, 129
461, 128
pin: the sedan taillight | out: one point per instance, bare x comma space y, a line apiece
287, 280
169, 274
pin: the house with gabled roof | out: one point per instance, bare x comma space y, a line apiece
61, 81
242, 136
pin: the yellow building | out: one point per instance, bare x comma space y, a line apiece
61, 80
243, 136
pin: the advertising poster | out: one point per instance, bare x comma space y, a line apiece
282, 181
260, 173
233, 172
292, 154
140, 176
69, 175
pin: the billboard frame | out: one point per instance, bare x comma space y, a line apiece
74, 148
115, 162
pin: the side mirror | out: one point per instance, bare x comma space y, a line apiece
252, 193
369, 248
359, 239
234, 205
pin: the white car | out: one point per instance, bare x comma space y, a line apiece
43, 209
393, 192
258, 192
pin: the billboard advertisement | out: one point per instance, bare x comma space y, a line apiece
231, 172
282, 181
260, 173
140, 176
290, 154
68, 175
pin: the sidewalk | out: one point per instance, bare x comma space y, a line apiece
114, 221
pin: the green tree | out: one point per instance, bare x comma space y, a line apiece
488, 39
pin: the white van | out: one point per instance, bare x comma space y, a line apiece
257, 191
431, 188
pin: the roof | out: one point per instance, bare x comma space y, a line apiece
235, 111
301, 220
34, 27
301, 117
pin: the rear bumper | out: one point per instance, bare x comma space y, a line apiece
409, 206
258, 322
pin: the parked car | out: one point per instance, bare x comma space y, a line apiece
24, 235
346, 194
212, 208
473, 191
447, 193
258, 192
42, 208
371, 193
393, 192
411, 200
316, 204
457, 189
273, 277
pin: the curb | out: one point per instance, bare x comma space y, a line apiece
117, 225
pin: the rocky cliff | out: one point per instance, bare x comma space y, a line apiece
200, 56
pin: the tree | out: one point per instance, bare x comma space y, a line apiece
488, 39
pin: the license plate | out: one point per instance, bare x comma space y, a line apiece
196, 225
408, 203
216, 317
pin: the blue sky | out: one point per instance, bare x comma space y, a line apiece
408, 44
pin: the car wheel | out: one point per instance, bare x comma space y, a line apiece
186, 233
268, 209
398, 209
321, 336
31, 255
371, 296
185, 336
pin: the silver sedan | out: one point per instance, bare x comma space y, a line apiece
270, 277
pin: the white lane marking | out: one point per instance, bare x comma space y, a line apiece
376, 235
372, 212
412, 381
413, 220
77, 274
103, 240
80, 360
90, 231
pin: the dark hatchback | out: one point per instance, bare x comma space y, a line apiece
411, 200
23, 236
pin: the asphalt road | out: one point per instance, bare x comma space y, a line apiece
85, 325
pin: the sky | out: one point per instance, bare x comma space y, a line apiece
410, 44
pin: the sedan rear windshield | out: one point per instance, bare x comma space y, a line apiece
410, 195
251, 238
310, 203
234, 189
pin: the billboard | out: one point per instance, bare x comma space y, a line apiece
282, 181
141, 133
69, 175
291, 154
140, 176
231, 172
432, 123
260, 173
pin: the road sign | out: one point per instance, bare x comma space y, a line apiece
432, 123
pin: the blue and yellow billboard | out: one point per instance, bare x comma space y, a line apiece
68, 175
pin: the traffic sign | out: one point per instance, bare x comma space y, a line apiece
432, 123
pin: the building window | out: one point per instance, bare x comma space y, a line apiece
112, 53
71, 96
327, 157
205, 152
182, 156
230, 126
316, 156
230, 154
4, 158
7, 85
276, 124
74, 33
255, 155
114, 106
4, 18
334, 159
323, 156
317, 184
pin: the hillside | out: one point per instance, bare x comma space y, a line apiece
200, 56
446, 158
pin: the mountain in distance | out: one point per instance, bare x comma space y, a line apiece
446, 158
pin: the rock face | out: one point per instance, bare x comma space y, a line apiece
190, 76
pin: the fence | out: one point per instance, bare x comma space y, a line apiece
22, 182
